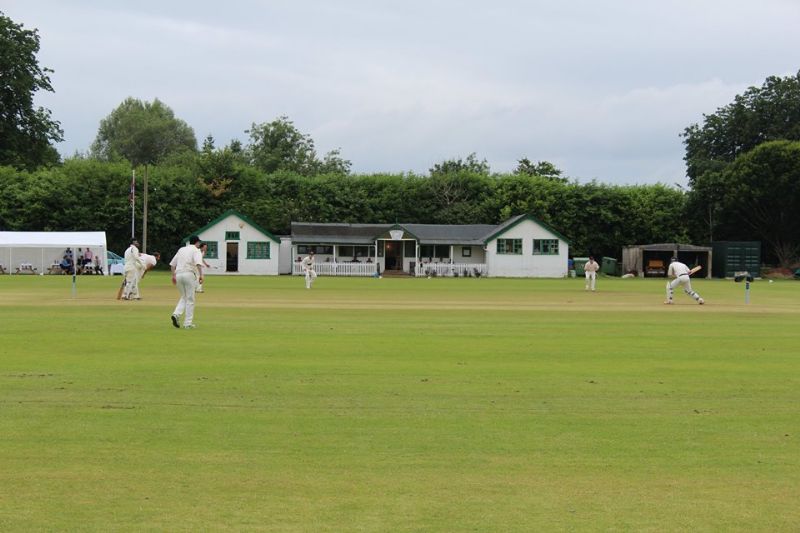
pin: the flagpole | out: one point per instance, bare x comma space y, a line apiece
133, 201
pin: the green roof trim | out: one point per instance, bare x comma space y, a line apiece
513, 221
396, 226
236, 213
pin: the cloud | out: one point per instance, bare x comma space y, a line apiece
601, 90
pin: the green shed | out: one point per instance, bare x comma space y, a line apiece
608, 266
580, 262
730, 257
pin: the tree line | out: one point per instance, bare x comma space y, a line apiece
743, 164
86, 194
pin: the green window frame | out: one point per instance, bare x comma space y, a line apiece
466, 251
509, 246
213, 250
545, 246
258, 250
231, 235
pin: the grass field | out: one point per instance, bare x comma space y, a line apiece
399, 405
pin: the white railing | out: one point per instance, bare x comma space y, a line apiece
337, 269
454, 270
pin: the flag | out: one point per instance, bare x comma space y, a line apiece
132, 196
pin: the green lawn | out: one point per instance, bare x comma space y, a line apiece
399, 405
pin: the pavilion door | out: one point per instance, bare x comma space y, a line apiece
394, 255
232, 257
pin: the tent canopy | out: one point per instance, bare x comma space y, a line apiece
52, 239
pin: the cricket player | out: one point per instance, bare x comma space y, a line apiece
681, 274
308, 268
590, 268
133, 264
187, 271
147, 263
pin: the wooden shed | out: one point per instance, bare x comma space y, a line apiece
652, 260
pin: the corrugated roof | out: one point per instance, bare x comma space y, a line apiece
464, 234
472, 234
317, 233
670, 247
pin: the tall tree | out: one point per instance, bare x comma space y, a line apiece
761, 114
470, 165
545, 169
279, 146
144, 133
761, 190
218, 168
26, 132
767, 113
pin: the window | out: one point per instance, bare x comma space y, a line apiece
466, 251
426, 250
545, 246
363, 251
257, 250
213, 250
231, 235
509, 246
442, 251
345, 251
304, 249
410, 248
381, 248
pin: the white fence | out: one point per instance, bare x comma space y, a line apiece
455, 270
337, 269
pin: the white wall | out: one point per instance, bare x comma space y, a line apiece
247, 233
527, 264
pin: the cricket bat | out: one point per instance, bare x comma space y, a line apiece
695, 269
121, 288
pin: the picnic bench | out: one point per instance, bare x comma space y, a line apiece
26, 268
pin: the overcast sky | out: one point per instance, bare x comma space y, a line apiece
601, 89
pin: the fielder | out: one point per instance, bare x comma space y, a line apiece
308, 268
681, 274
590, 269
187, 270
133, 264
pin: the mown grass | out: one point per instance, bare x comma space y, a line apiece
399, 405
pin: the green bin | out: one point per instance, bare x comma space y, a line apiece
580, 262
609, 266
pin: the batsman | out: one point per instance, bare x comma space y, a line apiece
681, 273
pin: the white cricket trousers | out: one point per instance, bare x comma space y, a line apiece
310, 277
186, 282
590, 279
684, 280
131, 284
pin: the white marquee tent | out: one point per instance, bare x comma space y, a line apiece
38, 250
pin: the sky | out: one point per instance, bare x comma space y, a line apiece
603, 90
